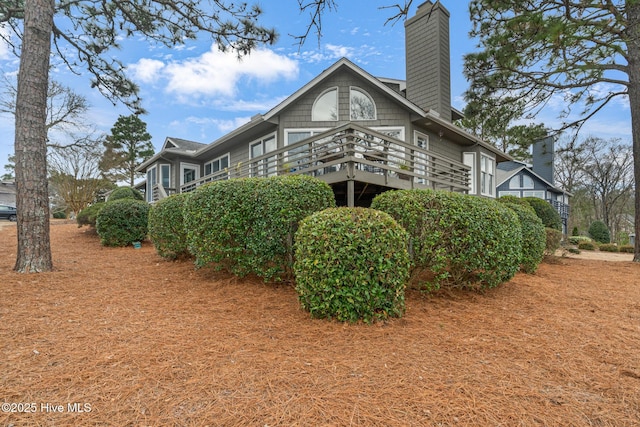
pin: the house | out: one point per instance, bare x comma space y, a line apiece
8, 193
361, 134
519, 179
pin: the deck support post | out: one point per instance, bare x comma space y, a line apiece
350, 193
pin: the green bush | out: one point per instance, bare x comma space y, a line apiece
549, 216
166, 227
456, 239
60, 215
247, 225
608, 247
554, 238
533, 236
125, 193
574, 240
88, 215
351, 264
575, 232
627, 249
123, 221
574, 251
587, 246
599, 232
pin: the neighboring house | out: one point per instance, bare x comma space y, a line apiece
361, 134
8, 193
519, 179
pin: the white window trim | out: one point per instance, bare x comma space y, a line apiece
528, 187
472, 173
532, 193
313, 107
149, 185
161, 175
492, 190
375, 107
184, 166
261, 141
312, 131
416, 135
227, 155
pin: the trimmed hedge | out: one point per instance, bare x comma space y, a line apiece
599, 232
125, 193
456, 239
122, 222
549, 216
627, 249
608, 247
587, 246
166, 227
247, 225
533, 235
88, 215
575, 240
351, 264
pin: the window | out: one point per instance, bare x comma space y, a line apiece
362, 106
266, 166
325, 107
469, 159
296, 157
487, 172
421, 159
151, 182
515, 182
527, 181
217, 167
189, 173
165, 175
540, 194
509, 193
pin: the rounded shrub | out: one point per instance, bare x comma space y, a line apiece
533, 236
587, 246
121, 222
627, 249
88, 215
456, 239
60, 215
125, 193
351, 264
574, 240
599, 232
608, 247
554, 238
575, 232
166, 226
549, 216
247, 225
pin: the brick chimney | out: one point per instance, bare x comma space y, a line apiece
427, 59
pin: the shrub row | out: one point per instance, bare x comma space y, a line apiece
247, 225
534, 242
456, 239
166, 227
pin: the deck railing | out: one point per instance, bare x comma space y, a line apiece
352, 153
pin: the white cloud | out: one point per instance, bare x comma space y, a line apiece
218, 73
147, 70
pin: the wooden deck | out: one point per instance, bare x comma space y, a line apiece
357, 162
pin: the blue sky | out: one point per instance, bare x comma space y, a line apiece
195, 92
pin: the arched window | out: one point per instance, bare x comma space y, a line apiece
361, 105
514, 182
325, 107
527, 181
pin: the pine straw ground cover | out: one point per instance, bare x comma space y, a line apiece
146, 342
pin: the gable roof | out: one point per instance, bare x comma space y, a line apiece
182, 144
507, 170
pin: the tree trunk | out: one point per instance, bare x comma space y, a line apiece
32, 196
633, 46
